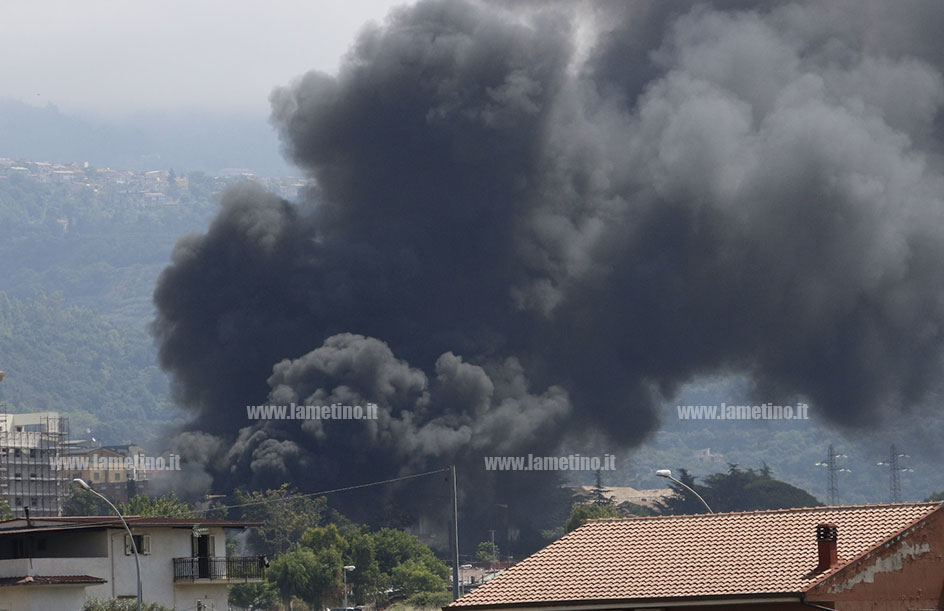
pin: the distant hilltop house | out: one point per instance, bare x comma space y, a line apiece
852, 558
58, 563
623, 494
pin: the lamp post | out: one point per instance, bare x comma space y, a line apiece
349, 567
667, 474
134, 547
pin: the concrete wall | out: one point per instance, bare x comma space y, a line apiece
906, 573
42, 598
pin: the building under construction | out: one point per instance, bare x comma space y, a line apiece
31, 447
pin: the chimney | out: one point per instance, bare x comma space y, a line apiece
826, 546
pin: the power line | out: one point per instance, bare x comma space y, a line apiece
324, 492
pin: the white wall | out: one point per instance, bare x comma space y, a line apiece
42, 598
157, 574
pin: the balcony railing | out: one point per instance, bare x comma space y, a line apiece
233, 568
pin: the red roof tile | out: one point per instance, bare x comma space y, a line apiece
51, 580
723, 554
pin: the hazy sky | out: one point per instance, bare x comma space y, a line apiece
115, 57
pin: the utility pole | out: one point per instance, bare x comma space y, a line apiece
455, 536
894, 469
832, 468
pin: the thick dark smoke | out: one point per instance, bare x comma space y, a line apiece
536, 221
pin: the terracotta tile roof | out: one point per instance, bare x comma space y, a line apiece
51, 580
724, 554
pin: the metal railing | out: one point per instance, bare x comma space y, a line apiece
233, 568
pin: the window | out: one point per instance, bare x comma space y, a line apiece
142, 542
18, 502
32, 452
17, 475
116, 476
96, 476
34, 501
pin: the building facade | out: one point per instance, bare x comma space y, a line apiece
59, 563
31, 446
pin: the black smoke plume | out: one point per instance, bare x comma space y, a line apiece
536, 221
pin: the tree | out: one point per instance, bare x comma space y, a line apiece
285, 517
683, 501
414, 576
486, 551
165, 506
324, 537
627, 509
598, 494
262, 595
579, 514
737, 490
85, 503
428, 600
367, 582
408, 563
5, 512
937, 496
305, 574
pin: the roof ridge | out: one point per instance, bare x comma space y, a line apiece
818, 508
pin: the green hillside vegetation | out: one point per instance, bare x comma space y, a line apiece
70, 359
78, 271
736, 490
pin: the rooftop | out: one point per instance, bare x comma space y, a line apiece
45, 524
50, 580
724, 554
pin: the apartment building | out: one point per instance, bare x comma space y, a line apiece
58, 563
30, 448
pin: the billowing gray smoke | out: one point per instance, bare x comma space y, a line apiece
534, 221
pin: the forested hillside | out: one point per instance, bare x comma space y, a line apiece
77, 269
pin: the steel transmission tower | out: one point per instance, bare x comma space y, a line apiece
832, 468
894, 471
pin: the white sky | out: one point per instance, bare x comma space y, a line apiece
115, 57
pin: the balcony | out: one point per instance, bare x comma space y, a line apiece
231, 569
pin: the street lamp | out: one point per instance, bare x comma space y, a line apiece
134, 547
349, 567
667, 474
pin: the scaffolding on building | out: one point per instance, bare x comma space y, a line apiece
31, 447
